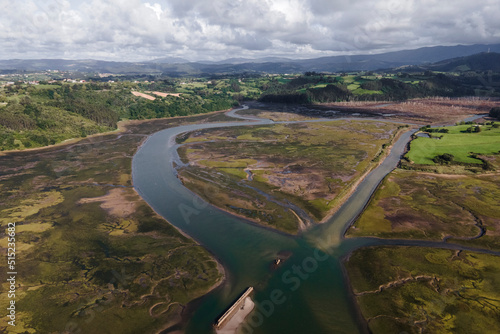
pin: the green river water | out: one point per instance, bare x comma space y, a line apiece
308, 293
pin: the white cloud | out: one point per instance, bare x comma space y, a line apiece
156, 8
201, 29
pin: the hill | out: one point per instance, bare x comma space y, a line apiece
180, 67
478, 62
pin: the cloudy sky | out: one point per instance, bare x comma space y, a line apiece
136, 30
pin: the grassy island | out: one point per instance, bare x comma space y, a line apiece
285, 176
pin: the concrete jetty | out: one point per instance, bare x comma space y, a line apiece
233, 309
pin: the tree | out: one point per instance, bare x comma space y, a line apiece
32, 110
235, 87
474, 128
495, 112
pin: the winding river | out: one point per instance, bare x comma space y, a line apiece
308, 293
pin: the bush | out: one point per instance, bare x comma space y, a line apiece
475, 128
495, 112
371, 85
444, 159
488, 166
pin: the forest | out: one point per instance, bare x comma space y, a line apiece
40, 115
45, 112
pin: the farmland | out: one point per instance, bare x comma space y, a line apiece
461, 141
94, 249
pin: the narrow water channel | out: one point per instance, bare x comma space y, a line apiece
307, 293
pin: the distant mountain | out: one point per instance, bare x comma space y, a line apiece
179, 66
169, 60
87, 65
485, 61
395, 59
238, 61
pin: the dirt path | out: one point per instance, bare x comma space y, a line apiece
164, 94
146, 96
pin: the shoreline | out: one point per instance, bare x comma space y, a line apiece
244, 218
362, 321
220, 266
355, 185
303, 228
353, 221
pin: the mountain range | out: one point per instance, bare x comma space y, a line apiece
435, 58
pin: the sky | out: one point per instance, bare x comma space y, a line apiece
138, 30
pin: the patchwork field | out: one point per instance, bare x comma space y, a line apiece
425, 290
457, 208
88, 248
282, 176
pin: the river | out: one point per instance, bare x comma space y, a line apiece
308, 293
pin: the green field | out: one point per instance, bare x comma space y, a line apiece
457, 142
361, 91
425, 290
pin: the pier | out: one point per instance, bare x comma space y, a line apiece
233, 309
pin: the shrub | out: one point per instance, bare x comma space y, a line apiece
495, 112
444, 159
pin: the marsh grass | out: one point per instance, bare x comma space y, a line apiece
425, 290
82, 268
431, 206
311, 165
